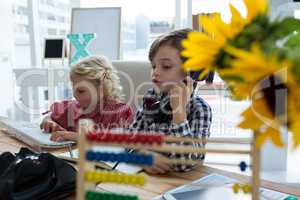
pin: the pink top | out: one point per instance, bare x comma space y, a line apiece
112, 114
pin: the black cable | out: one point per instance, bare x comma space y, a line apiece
117, 163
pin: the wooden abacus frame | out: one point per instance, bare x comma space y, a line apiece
86, 127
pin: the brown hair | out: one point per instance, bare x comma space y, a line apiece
172, 39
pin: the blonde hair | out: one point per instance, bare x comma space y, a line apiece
98, 69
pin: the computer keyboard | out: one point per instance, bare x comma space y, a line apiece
30, 134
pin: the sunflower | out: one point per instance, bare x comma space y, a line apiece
255, 8
254, 68
202, 48
294, 111
294, 127
259, 118
248, 68
262, 121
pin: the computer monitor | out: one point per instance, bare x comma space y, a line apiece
54, 48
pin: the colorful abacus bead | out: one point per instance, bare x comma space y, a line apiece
114, 177
92, 136
89, 176
246, 188
137, 138
120, 138
91, 195
236, 188
243, 166
133, 158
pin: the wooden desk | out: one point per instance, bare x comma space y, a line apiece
157, 185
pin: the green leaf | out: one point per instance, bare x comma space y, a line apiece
293, 54
235, 78
289, 25
293, 41
296, 71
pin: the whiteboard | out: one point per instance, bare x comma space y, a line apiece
106, 23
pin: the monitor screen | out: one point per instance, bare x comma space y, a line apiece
54, 48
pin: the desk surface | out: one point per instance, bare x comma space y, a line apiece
157, 184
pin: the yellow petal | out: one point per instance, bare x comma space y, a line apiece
255, 8
252, 62
250, 120
209, 50
253, 124
197, 63
275, 137
270, 133
260, 139
198, 36
208, 25
237, 22
295, 129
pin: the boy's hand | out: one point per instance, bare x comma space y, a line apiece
160, 166
48, 125
63, 135
180, 95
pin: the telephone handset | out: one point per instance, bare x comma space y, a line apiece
160, 110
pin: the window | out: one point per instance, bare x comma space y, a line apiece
52, 31
142, 22
43, 19
213, 6
51, 17
297, 14
62, 32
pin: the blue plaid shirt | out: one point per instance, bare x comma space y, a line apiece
197, 125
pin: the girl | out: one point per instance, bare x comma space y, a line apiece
180, 112
97, 90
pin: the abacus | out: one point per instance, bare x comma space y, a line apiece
88, 176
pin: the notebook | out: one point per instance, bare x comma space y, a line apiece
30, 134
215, 186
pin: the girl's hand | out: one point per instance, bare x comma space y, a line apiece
64, 135
49, 126
180, 95
160, 166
